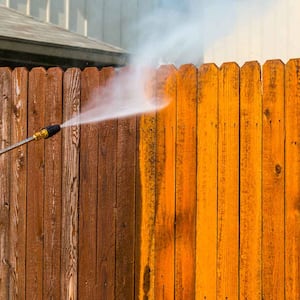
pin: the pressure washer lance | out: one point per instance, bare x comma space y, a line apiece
44, 133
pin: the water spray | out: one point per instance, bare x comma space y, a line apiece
44, 133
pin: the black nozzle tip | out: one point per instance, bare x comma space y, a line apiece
52, 129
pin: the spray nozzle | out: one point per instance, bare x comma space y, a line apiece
46, 132
42, 134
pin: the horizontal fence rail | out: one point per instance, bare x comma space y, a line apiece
197, 201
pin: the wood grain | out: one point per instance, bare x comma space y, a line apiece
186, 185
35, 185
107, 193
5, 127
146, 197
250, 181
125, 213
18, 199
70, 186
165, 185
207, 181
292, 180
228, 183
88, 193
273, 181
53, 193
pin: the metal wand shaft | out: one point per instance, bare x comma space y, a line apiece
17, 145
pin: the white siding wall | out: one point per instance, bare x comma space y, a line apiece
106, 20
271, 35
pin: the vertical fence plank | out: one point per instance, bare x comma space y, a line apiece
35, 186
88, 193
52, 204
5, 113
185, 249
228, 183
292, 180
273, 180
17, 227
107, 189
70, 186
125, 217
165, 185
207, 180
250, 181
146, 200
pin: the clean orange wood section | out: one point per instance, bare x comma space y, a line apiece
207, 179
250, 181
292, 179
273, 198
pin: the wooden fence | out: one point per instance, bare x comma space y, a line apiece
198, 201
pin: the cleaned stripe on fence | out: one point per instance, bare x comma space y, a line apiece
250, 181
292, 179
228, 183
185, 230
147, 198
207, 158
165, 185
273, 180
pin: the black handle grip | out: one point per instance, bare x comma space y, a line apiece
52, 129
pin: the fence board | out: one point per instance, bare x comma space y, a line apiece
107, 193
165, 186
228, 183
292, 179
88, 193
185, 231
146, 199
273, 181
5, 111
70, 186
17, 226
53, 194
250, 181
125, 214
207, 154
35, 186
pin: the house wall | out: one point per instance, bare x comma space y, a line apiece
266, 36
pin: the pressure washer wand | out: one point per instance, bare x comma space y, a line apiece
44, 133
